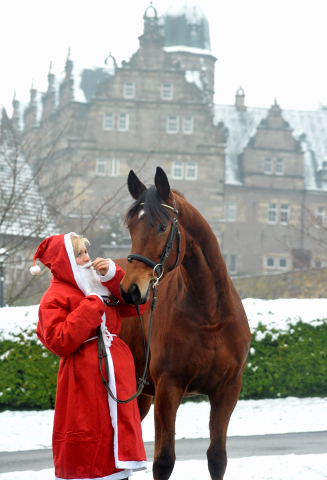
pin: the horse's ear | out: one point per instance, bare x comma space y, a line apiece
162, 184
135, 186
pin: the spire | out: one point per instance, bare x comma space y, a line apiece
30, 114
66, 94
49, 98
15, 113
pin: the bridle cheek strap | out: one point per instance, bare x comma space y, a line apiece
174, 231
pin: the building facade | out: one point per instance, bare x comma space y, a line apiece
259, 176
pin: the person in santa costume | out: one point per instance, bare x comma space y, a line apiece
93, 436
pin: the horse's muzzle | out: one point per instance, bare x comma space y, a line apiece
133, 296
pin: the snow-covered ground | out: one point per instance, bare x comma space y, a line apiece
32, 430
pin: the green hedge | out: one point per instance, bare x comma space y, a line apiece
28, 373
291, 363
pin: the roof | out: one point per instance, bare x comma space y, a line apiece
24, 212
309, 127
185, 25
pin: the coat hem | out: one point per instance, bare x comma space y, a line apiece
114, 476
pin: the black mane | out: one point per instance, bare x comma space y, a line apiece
153, 208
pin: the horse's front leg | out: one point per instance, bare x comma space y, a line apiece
168, 397
222, 405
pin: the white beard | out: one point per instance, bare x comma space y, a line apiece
91, 281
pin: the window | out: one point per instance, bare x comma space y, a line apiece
19, 261
191, 171
233, 264
123, 122
280, 166
129, 89
270, 262
284, 214
188, 125
231, 211
108, 121
272, 213
167, 91
268, 166
178, 169
320, 217
100, 166
283, 263
317, 264
172, 124
113, 167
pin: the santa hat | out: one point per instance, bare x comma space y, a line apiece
35, 270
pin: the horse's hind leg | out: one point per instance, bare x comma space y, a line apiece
222, 406
166, 402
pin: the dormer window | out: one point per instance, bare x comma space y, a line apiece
167, 91
129, 89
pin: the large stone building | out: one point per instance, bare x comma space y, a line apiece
259, 176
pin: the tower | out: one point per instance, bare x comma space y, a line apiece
187, 38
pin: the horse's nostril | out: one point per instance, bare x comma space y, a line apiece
134, 293
132, 296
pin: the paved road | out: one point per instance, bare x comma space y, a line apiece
237, 447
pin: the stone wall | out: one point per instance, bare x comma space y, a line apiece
298, 284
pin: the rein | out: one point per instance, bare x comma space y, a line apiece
157, 274
102, 353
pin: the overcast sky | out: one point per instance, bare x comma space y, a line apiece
273, 48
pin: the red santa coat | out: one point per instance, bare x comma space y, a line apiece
90, 440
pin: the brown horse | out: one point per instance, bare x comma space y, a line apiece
200, 335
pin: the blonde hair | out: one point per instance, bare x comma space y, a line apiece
78, 242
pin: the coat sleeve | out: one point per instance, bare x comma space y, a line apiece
124, 309
63, 332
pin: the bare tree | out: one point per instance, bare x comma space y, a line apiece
41, 195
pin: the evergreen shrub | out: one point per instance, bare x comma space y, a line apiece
280, 364
290, 363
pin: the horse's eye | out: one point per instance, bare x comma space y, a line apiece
161, 228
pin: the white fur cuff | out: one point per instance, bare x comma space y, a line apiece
110, 273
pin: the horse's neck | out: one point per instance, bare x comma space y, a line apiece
203, 259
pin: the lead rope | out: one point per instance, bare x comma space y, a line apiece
102, 352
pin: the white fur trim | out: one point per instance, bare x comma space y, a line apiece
114, 476
110, 273
72, 260
133, 465
96, 295
35, 270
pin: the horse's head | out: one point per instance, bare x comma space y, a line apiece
152, 223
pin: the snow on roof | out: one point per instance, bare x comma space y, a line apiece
24, 211
241, 127
182, 48
309, 127
194, 76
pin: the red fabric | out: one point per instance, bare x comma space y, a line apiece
83, 431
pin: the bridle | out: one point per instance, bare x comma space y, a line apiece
158, 269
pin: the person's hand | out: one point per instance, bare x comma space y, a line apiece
101, 265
